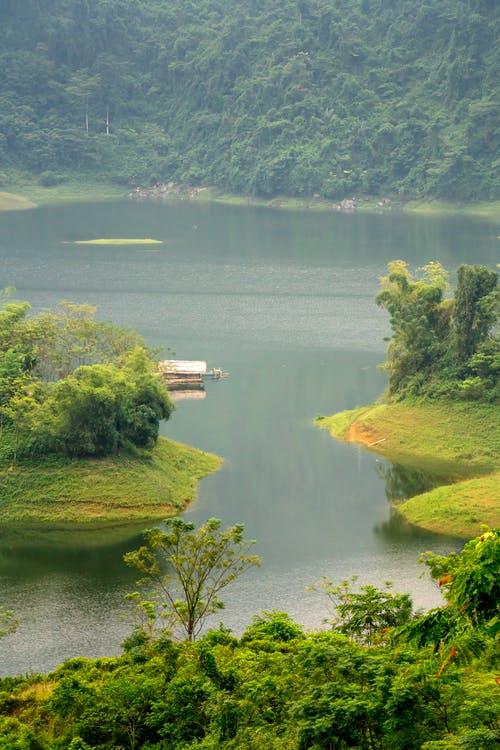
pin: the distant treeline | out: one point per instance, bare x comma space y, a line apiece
261, 97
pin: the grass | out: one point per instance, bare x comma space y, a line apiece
363, 204
490, 209
13, 202
114, 241
460, 441
31, 194
121, 489
465, 507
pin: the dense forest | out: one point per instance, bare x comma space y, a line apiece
260, 97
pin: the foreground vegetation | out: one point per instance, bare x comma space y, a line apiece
264, 99
378, 679
441, 414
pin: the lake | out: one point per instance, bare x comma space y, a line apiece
284, 302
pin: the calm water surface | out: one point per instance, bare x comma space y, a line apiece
283, 302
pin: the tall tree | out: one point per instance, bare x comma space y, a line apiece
419, 321
474, 309
189, 567
365, 615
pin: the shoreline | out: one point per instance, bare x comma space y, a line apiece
26, 194
465, 465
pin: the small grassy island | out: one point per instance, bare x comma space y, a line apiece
80, 407
118, 241
441, 412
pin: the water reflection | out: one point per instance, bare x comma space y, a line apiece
403, 482
395, 530
30, 562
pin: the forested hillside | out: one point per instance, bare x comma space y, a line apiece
262, 97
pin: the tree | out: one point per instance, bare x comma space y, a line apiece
70, 337
470, 581
474, 309
190, 567
13, 382
99, 409
149, 401
78, 418
471, 586
70, 384
367, 614
275, 626
442, 347
82, 86
419, 319
20, 411
12, 319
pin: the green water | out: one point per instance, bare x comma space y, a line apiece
283, 301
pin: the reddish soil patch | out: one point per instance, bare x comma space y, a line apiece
359, 432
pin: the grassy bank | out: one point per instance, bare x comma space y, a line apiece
29, 194
488, 210
23, 192
363, 204
461, 507
458, 440
13, 202
60, 491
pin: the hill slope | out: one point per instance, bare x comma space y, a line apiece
260, 97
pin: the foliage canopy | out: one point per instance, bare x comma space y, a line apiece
442, 346
72, 385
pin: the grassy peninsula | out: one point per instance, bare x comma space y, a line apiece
62, 491
14, 202
441, 409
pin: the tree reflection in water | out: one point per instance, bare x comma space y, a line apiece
403, 482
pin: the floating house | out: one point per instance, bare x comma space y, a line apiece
188, 375
179, 373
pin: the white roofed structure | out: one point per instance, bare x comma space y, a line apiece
182, 367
